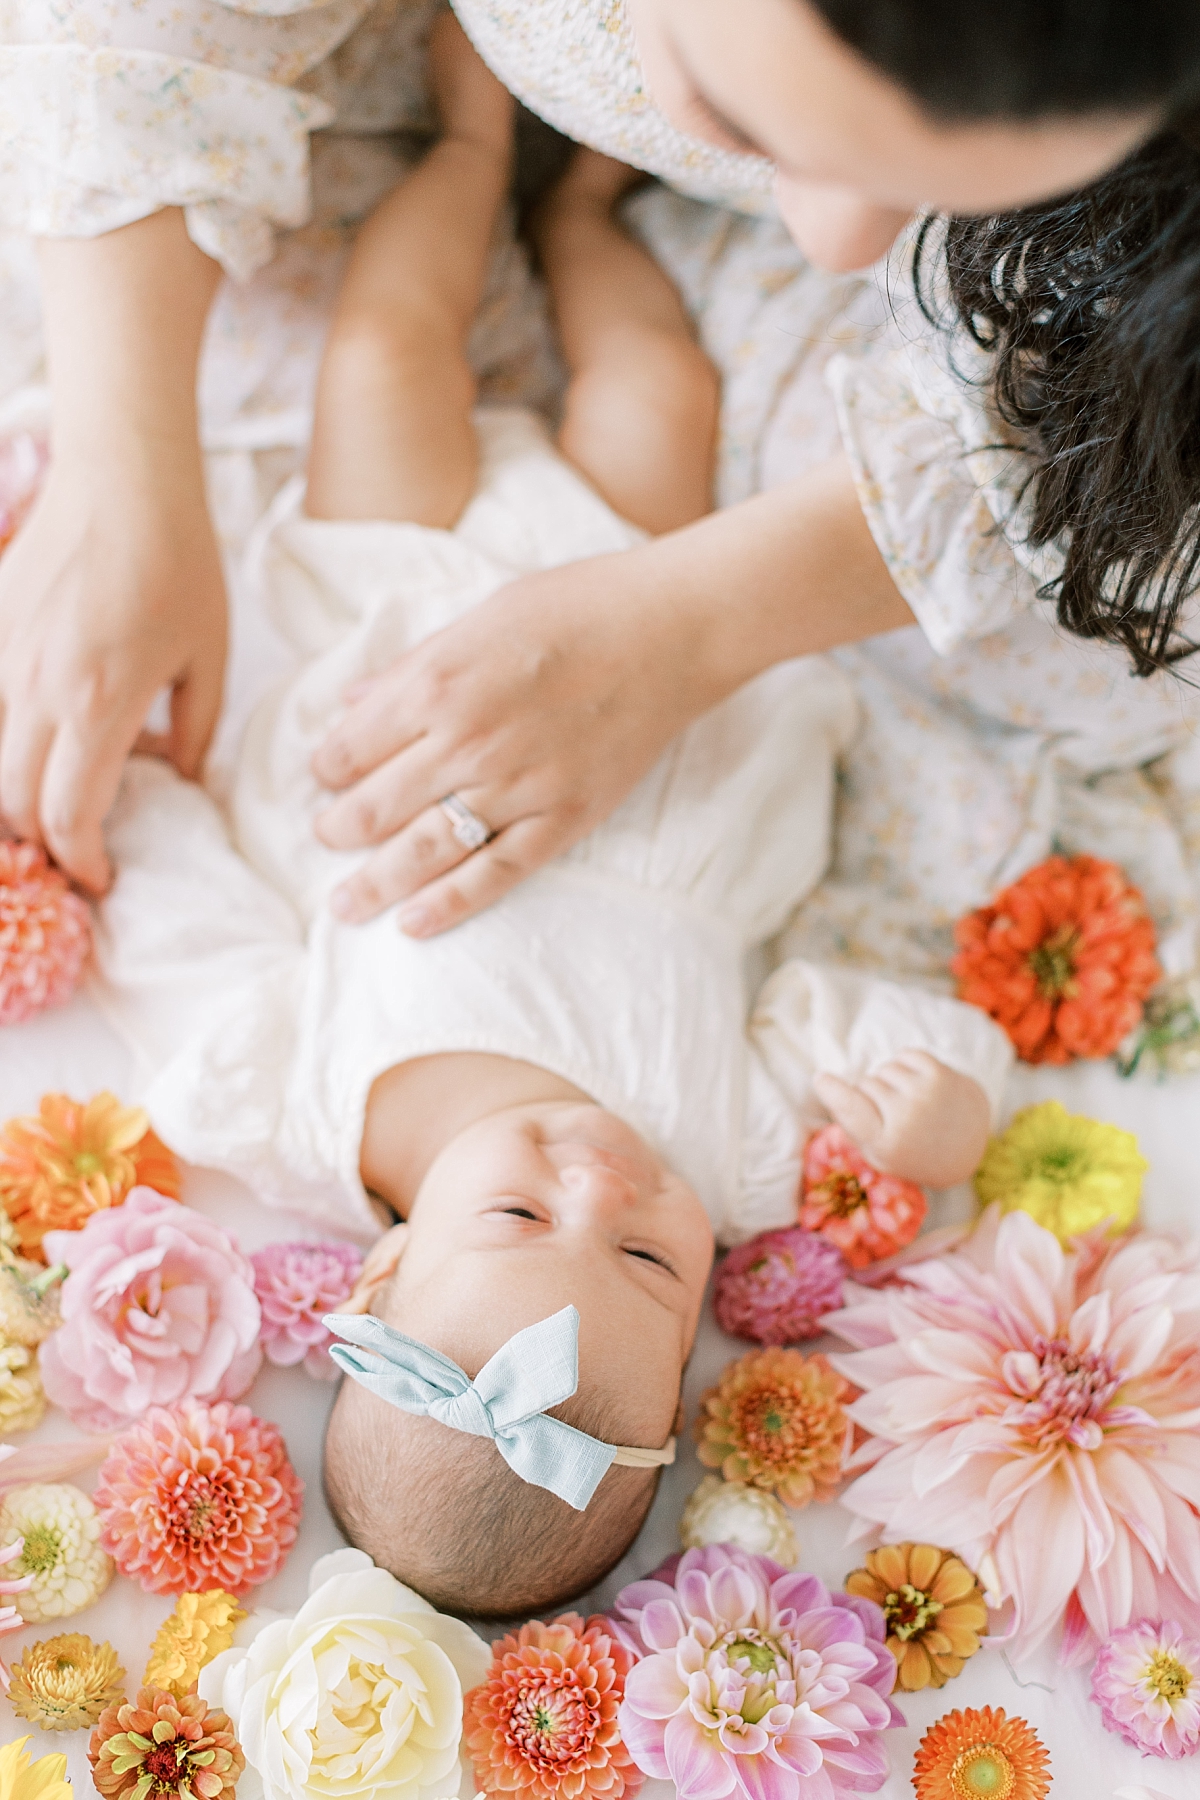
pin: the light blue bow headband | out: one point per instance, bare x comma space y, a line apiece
507, 1401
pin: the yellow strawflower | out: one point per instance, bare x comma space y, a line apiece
66, 1682
21, 1779
1068, 1172
201, 1626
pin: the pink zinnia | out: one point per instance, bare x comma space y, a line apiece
45, 934
868, 1215
159, 1305
197, 1497
753, 1682
774, 1289
1146, 1683
296, 1284
1034, 1409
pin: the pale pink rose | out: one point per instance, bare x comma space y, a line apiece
159, 1306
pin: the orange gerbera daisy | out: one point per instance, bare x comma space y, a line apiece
73, 1158
981, 1755
1063, 959
934, 1608
775, 1421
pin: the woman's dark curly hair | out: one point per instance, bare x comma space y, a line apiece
1090, 308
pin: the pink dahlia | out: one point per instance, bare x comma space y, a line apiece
868, 1215
45, 934
1035, 1410
196, 1497
296, 1285
158, 1306
753, 1682
1146, 1682
774, 1289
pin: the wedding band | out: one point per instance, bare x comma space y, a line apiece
466, 825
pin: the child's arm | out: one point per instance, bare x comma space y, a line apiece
113, 590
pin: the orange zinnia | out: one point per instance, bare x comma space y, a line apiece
775, 1421
981, 1755
1063, 959
73, 1158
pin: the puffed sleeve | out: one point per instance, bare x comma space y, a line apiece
112, 109
940, 486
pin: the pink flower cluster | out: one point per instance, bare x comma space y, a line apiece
159, 1305
45, 934
1146, 1682
774, 1289
296, 1285
752, 1682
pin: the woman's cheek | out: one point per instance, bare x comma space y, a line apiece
835, 228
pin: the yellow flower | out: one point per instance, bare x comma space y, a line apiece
934, 1608
1068, 1172
29, 1300
22, 1401
201, 1626
72, 1159
65, 1682
21, 1779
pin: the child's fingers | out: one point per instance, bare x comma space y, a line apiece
854, 1110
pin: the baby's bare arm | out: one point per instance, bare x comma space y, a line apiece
914, 1118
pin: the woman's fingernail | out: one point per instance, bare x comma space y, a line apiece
415, 921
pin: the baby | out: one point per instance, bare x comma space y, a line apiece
559, 1101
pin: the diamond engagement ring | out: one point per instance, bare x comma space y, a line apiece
466, 825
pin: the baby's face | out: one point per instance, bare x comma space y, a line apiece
543, 1206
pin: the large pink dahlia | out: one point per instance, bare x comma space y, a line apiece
1037, 1410
753, 1682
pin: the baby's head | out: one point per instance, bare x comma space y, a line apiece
531, 1210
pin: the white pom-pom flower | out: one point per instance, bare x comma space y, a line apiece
61, 1551
728, 1512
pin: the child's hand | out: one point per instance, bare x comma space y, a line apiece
915, 1118
112, 591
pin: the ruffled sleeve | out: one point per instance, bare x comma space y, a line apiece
110, 111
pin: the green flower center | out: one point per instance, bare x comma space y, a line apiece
1168, 1676
761, 1657
982, 1773
1053, 963
909, 1611
88, 1163
841, 1193
43, 1547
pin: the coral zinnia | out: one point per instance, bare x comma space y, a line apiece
934, 1608
1063, 959
74, 1158
65, 1682
201, 1627
1068, 1172
775, 1421
866, 1214
544, 1723
21, 1779
774, 1289
196, 1497
981, 1755
157, 1745
45, 934
1037, 1407
1146, 1682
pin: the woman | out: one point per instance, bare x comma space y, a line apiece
868, 111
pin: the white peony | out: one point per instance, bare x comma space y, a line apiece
728, 1512
361, 1693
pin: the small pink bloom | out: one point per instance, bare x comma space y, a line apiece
1146, 1682
754, 1683
868, 1215
159, 1305
774, 1289
296, 1284
45, 934
197, 1497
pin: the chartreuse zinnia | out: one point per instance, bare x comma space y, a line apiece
1068, 1172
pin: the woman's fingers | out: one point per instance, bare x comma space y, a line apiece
483, 877
82, 775
423, 851
24, 747
388, 800
377, 726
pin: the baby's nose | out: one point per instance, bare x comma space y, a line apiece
597, 1189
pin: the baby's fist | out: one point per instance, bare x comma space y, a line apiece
914, 1118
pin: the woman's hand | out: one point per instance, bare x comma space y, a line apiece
111, 592
547, 704
113, 588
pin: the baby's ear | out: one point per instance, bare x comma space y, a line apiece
381, 1263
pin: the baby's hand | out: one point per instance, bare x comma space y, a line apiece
915, 1118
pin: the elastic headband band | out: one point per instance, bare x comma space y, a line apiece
507, 1401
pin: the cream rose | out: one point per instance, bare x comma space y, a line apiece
360, 1693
